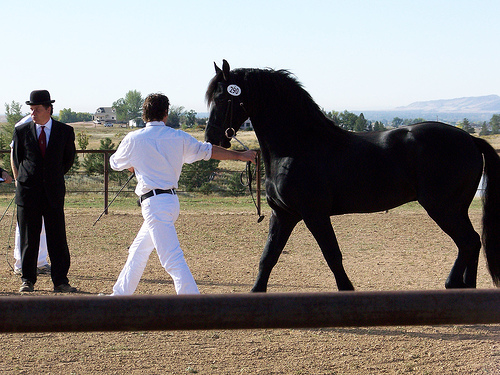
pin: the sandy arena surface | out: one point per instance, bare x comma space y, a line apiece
399, 250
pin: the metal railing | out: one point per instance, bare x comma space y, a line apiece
106, 174
106, 154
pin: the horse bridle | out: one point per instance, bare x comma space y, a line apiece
230, 133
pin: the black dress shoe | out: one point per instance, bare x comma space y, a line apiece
26, 286
64, 288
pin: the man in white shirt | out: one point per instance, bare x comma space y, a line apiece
156, 154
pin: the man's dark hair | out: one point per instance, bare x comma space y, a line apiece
155, 107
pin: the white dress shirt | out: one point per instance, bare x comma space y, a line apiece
48, 128
157, 153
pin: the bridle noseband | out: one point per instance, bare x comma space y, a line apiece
230, 132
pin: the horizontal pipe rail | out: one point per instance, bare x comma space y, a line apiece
248, 311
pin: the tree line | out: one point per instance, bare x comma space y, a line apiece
127, 108
352, 122
130, 108
357, 123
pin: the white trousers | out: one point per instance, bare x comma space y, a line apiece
157, 232
42, 252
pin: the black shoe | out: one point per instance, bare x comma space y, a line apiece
64, 288
26, 287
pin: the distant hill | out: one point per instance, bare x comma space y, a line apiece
475, 104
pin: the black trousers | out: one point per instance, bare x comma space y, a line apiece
30, 227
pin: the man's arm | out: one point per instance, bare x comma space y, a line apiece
220, 153
12, 164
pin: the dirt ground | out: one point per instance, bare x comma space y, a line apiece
399, 250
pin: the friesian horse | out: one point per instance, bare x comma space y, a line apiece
315, 169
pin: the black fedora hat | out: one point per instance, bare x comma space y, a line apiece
39, 97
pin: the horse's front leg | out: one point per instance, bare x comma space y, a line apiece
322, 230
280, 227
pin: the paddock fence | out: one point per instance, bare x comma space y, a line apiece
248, 311
108, 182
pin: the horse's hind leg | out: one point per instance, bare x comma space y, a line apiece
280, 227
470, 276
460, 229
321, 228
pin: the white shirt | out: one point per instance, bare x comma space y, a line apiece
47, 129
157, 153
24, 120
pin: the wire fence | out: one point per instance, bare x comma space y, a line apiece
203, 177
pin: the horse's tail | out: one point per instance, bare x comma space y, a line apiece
491, 209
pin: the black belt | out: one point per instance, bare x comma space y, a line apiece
149, 194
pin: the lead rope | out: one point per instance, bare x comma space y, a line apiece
8, 247
249, 174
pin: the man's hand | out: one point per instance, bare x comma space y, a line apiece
249, 155
6, 177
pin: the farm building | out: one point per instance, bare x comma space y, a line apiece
104, 114
136, 123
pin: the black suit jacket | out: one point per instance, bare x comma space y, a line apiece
39, 175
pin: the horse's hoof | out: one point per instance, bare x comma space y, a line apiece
255, 290
345, 287
456, 285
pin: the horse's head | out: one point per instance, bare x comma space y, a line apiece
227, 112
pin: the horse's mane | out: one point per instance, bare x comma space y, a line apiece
273, 89
212, 86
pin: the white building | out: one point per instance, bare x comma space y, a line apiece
136, 123
104, 114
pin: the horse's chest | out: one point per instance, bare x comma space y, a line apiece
282, 172
286, 178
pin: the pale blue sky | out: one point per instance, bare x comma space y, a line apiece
354, 55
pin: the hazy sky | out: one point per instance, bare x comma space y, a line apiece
350, 55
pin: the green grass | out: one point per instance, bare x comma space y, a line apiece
189, 201
476, 204
128, 200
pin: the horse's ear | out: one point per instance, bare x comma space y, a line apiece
225, 69
217, 69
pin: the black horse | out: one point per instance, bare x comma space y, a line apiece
315, 169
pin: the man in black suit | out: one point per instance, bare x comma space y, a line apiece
43, 151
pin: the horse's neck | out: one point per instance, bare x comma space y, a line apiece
278, 142
296, 138
272, 135
288, 135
